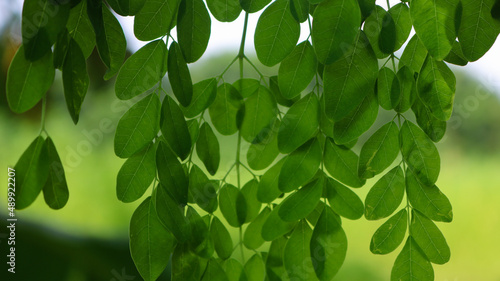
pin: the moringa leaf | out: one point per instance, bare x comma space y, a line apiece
429, 238
193, 29
224, 11
342, 164
233, 205
253, 238
201, 190
204, 94
414, 55
297, 254
188, 266
155, 19
269, 183
249, 191
300, 10
400, 13
171, 174
300, 204
386, 195
174, 128
55, 191
261, 155
214, 272
171, 215
411, 264
408, 93
433, 127
274, 227
179, 76
297, 70
201, 242
259, 113
80, 28
252, 6
224, 109
390, 235
207, 148
388, 88
343, 200
373, 26
255, 269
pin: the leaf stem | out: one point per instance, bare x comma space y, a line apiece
44, 107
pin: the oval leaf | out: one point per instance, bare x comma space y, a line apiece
301, 203
224, 109
155, 19
390, 235
297, 70
386, 195
342, 164
207, 148
232, 205
343, 200
179, 76
429, 238
55, 191
296, 256
411, 264
193, 29
174, 128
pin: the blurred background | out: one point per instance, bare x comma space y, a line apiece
88, 238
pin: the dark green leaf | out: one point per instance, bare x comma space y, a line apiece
401, 16
174, 128
373, 26
136, 174
155, 19
61, 48
387, 38
274, 226
171, 214
420, 153
390, 235
188, 266
224, 109
247, 86
259, 113
55, 191
207, 148
367, 7
268, 186
214, 272
299, 124
456, 55
300, 166
193, 29
274, 87
253, 238
313, 217
276, 34
297, 254
179, 76
249, 191
429, 238
411, 264
201, 242
222, 240
171, 174
255, 269
27, 82
408, 92
252, 6
414, 55
388, 89
224, 11
379, 151
194, 130
234, 270
433, 127
204, 94
386, 195
202, 191
297, 70
350, 79
335, 28
301, 203
75, 79
300, 10
80, 28
343, 200
261, 155
138, 126
233, 205
342, 164
274, 263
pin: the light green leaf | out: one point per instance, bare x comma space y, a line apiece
80, 28
155, 19
414, 55
429, 238
261, 155
141, 71
269, 183
411, 264
429, 200
301, 203
27, 82
300, 166
171, 174
224, 10
386, 195
138, 126
299, 124
252, 6
274, 262
253, 238
342, 164
436, 88
390, 235
456, 55
297, 254
259, 113
224, 109
194, 130
373, 26
193, 29
179, 76
434, 23
234, 270
171, 215
274, 226
204, 94
335, 28
400, 13
313, 217
388, 89
408, 93
343, 200
246, 86
207, 148
433, 127
249, 191
214, 272
297, 70
350, 79
255, 269
136, 174
420, 153
233, 205
174, 128
276, 34
55, 191
379, 151
328, 245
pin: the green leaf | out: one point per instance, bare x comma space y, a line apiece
274, 87
80, 28
207, 148
202, 191
428, 200
126, 7
155, 19
379, 151
174, 128
386, 195
300, 10
387, 37
179, 76
194, 130
204, 94
408, 93
335, 28
373, 26
343, 200
193, 29
400, 13
297, 254
261, 155
253, 238
171, 174
249, 191
55, 191
150, 243
138, 126
420, 153
269, 183
274, 262
411, 264
32, 172
136, 174
234, 270
390, 235
429, 238
342, 164
313, 217
299, 124
255, 269
297, 70
436, 88
358, 121
276, 34
214, 272
274, 226
300, 166
27, 82
414, 55
388, 89
224, 11
224, 109
110, 40
328, 245
246, 86
252, 6
42, 20
222, 240
171, 214
75, 79
350, 79
433, 127
141, 71
188, 266
200, 242
434, 23
259, 112
233, 205
367, 7
301, 203
456, 55
478, 30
